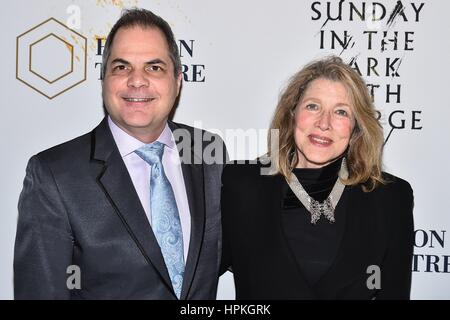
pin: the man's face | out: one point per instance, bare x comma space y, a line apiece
139, 87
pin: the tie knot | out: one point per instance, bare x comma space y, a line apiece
151, 153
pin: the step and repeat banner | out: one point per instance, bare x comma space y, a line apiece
237, 56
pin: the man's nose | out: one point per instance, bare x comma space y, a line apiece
138, 79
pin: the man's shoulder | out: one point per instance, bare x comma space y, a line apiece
207, 147
78, 148
193, 131
69, 151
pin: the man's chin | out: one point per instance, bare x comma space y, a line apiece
150, 125
139, 120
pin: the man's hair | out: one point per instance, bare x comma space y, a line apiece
145, 19
364, 154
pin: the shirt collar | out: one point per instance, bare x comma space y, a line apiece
128, 144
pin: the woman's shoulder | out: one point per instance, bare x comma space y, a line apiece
395, 191
396, 199
394, 184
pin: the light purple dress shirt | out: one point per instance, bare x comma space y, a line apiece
140, 170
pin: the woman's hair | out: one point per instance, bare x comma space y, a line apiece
364, 154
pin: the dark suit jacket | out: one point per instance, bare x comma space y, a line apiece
79, 207
378, 231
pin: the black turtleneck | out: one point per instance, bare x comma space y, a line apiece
313, 246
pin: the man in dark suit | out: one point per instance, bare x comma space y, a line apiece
130, 210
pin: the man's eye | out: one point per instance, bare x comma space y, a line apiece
154, 68
120, 67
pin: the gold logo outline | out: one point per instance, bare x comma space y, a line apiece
66, 89
30, 64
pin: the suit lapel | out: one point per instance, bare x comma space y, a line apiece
353, 252
277, 189
341, 215
114, 180
194, 183
316, 291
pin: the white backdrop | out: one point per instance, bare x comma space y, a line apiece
239, 55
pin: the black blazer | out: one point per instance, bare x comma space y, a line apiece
378, 230
79, 207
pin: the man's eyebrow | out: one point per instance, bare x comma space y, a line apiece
156, 61
120, 60
151, 62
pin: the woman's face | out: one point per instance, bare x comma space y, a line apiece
324, 121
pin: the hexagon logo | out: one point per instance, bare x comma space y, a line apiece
51, 58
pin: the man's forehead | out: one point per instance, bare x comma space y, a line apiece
140, 30
133, 39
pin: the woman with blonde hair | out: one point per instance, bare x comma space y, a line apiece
327, 222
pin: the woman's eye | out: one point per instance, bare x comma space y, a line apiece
311, 106
342, 112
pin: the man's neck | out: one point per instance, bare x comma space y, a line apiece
145, 135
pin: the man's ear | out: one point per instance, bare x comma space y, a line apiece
179, 79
